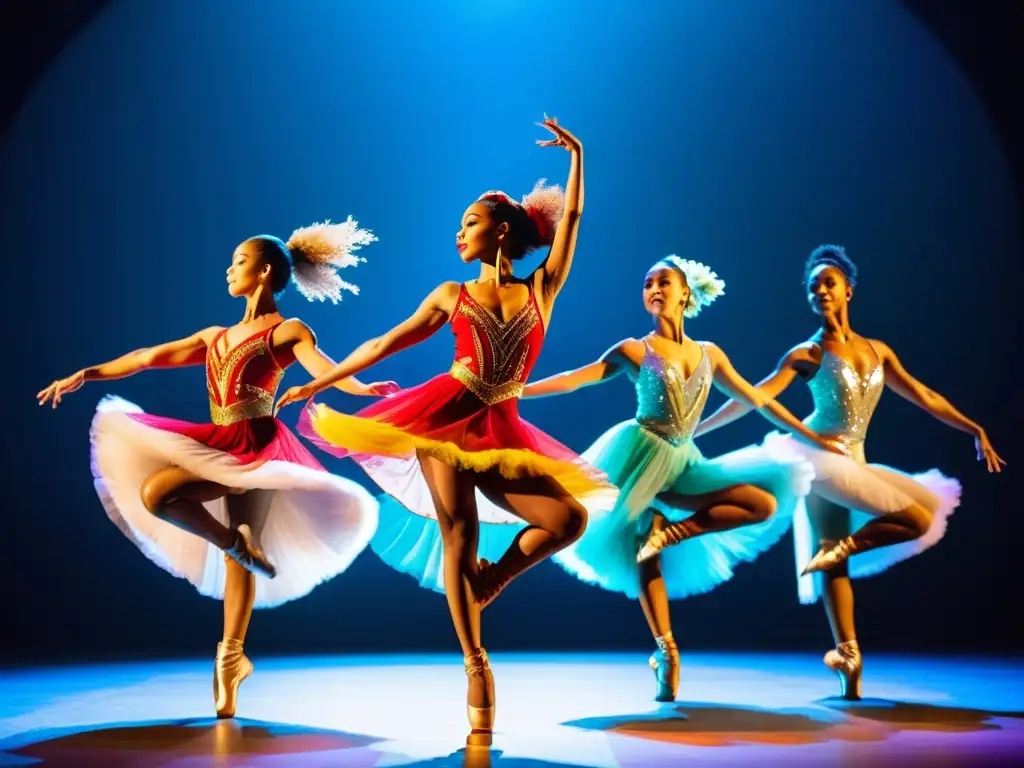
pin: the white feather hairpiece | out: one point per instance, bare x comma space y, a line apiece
705, 285
319, 251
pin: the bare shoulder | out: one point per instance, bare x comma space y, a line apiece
633, 350
803, 353
207, 335
291, 331
445, 296
883, 350
714, 352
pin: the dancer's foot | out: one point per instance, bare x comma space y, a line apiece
488, 583
231, 668
847, 663
829, 556
665, 663
479, 699
665, 537
247, 553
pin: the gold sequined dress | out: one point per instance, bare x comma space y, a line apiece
844, 402
311, 524
467, 418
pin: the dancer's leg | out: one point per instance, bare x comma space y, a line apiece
714, 512
555, 521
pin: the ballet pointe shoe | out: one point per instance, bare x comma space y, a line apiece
481, 719
248, 554
664, 537
846, 662
665, 663
231, 668
829, 556
488, 584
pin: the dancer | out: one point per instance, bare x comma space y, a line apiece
434, 446
244, 484
670, 495
892, 515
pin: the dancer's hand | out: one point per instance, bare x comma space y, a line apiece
835, 445
294, 395
562, 138
382, 388
56, 391
987, 453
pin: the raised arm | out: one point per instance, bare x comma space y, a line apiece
770, 387
902, 383
172, 354
300, 338
736, 387
555, 268
608, 366
422, 324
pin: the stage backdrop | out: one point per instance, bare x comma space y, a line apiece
731, 133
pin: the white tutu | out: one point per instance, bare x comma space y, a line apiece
315, 523
867, 490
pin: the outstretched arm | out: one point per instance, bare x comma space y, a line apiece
555, 269
608, 366
302, 340
902, 383
173, 354
770, 387
423, 323
735, 386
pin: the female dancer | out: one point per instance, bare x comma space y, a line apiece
893, 515
433, 446
244, 484
669, 494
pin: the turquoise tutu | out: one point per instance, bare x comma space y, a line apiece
642, 465
411, 543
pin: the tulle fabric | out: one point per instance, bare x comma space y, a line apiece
411, 543
315, 523
642, 465
442, 419
867, 490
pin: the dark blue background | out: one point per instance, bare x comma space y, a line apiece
734, 134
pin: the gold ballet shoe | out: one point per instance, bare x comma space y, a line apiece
665, 663
664, 537
230, 670
481, 719
846, 662
488, 584
248, 554
830, 555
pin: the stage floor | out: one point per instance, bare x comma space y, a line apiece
553, 710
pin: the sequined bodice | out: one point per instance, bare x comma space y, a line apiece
493, 359
243, 381
843, 399
667, 403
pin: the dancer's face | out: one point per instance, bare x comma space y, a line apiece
665, 292
480, 234
248, 270
827, 290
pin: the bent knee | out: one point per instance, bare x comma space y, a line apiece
919, 520
574, 522
762, 505
153, 494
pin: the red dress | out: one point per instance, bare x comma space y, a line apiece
315, 523
468, 417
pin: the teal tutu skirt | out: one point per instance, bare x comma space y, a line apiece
642, 465
411, 543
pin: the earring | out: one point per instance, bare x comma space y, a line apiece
497, 268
